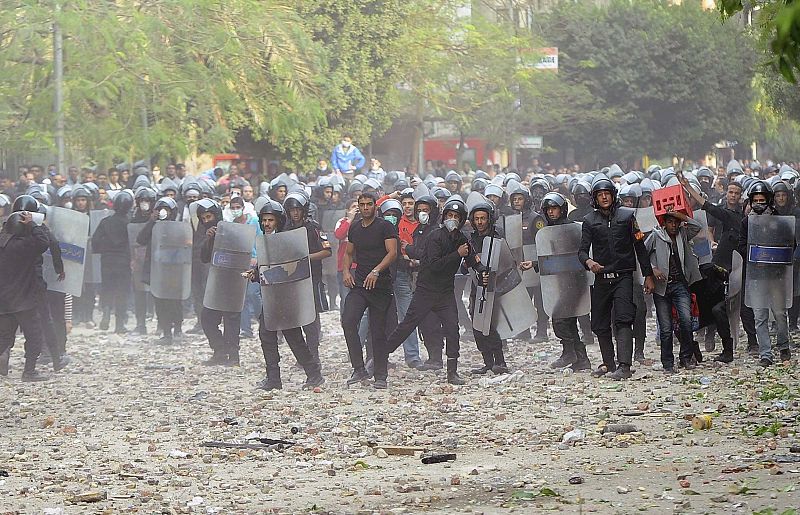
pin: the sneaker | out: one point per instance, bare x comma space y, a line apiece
786, 355
215, 359
431, 365
414, 365
313, 382
600, 371
61, 362
670, 371
581, 365
687, 365
765, 362
380, 384
34, 377
622, 372
358, 376
500, 369
752, 350
563, 362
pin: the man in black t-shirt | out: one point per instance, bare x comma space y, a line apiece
372, 244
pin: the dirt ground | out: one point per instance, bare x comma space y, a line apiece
123, 429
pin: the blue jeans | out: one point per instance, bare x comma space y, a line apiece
762, 329
252, 307
678, 295
402, 296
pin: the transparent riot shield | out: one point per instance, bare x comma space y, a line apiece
646, 219
769, 273
733, 295
71, 230
565, 281
171, 260
701, 243
512, 230
91, 274
138, 256
233, 250
287, 292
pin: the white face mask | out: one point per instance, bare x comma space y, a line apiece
451, 225
345, 144
38, 218
423, 217
67, 205
237, 212
144, 206
163, 214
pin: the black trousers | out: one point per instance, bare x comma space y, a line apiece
311, 332
423, 304
566, 330
485, 343
199, 279
296, 342
116, 290
381, 309
222, 343
616, 294
48, 330
169, 313
141, 304
83, 306
31, 326
432, 336
55, 301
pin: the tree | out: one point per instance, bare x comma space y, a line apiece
669, 78
167, 77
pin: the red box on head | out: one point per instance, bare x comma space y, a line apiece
671, 198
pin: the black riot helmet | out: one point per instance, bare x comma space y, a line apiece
25, 203
169, 204
272, 207
123, 202
762, 188
487, 207
433, 216
479, 184
14, 226
457, 206
603, 184
554, 199
207, 205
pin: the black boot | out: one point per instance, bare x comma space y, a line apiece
177, 332
4, 357
567, 357
272, 381
232, 358
60, 362
452, 372
581, 358
30, 374
218, 358
166, 339
313, 376
106, 320
434, 361
499, 363
488, 364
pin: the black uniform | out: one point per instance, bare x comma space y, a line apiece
141, 299
617, 244
110, 240
727, 229
21, 289
51, 305
434, 292
531, 223
430, 326
585, 321
491, 344
199, 276
225, 346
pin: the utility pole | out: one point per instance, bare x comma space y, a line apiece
58, 107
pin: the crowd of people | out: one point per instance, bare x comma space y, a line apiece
584, 254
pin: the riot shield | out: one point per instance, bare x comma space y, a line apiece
193, 215
71, 230
769, 274
512, 230
513, 312
328, 223
287, 292
701, 243
796, 266
504, 279
233, 248
91, 274
646, 219
171, 260
565, 281
530, 278
138, 256
733, 295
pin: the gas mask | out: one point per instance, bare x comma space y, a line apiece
423, 217
451, 225
759, 207
163, 214
144, 206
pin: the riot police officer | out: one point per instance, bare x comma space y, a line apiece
617, 244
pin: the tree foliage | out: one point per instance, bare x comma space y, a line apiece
669, 78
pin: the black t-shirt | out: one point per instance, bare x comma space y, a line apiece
370, 249
316, 241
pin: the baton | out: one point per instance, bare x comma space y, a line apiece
488, 267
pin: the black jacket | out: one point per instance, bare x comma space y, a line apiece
440, 261
55, 251
616, 241
417, 249
578, 214
21, 282
145, 239
110, 240
728, 238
